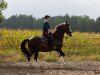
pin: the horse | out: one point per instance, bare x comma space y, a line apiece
36, 44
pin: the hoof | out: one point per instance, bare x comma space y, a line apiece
41, 67
59, 62
64, 64
31, 66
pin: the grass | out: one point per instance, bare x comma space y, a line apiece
81, 47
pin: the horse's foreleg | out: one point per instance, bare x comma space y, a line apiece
61, 60
62, 57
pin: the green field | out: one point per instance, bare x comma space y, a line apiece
80, 47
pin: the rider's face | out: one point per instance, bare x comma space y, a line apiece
48, 18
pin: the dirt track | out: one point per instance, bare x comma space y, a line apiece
70, 68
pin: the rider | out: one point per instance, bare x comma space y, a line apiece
46, 30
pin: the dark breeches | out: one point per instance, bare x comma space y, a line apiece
50, 40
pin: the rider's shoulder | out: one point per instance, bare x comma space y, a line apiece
45, 21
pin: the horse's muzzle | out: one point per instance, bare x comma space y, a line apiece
70, 35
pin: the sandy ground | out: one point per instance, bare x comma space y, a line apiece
69, 68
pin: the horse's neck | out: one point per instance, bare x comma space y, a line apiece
59, 35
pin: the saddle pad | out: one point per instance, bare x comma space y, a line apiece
44, 39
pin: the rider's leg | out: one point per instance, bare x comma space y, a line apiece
50, 40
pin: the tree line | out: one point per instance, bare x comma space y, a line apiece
3, 5
77, 23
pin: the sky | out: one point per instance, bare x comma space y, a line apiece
40, 8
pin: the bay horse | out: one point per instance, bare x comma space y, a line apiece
36, 44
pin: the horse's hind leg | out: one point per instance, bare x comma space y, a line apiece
28, 57
31, 53
36, 58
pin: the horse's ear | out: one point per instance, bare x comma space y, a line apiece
67, 24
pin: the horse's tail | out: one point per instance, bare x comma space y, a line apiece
24, 49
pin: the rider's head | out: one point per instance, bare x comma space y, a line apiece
47, 17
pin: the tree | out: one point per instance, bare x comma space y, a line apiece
3, 5
97, 27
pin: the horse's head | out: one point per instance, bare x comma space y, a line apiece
67, 29
64, 27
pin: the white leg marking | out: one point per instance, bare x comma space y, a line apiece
29, 63
61, 61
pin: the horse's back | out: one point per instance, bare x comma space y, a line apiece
35, 41
35, 37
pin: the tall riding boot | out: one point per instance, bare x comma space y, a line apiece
50, 40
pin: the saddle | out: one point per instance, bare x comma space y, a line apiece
44, 39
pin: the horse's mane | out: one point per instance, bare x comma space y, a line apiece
58, 26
